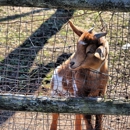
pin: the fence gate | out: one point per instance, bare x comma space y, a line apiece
34, 41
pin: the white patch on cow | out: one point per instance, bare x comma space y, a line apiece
58, 87
67, 81
82, 42
57, 84
75, 87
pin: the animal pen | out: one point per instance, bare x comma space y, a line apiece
37, 38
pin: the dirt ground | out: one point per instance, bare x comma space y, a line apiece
42, 121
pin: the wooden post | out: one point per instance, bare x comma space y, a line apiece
69, 105
113, 5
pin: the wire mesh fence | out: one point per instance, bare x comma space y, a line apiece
35, 41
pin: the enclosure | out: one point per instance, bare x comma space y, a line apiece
34, 41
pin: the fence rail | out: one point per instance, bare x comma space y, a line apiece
63, 105
113, 5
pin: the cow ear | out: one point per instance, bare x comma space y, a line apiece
100, 53
99, 35
77, 30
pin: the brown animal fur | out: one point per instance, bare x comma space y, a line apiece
84, 74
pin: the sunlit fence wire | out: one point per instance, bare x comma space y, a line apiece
35, 41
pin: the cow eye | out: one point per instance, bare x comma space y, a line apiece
89, 52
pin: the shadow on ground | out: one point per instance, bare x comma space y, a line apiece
14, 70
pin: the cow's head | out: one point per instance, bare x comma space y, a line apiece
92, 49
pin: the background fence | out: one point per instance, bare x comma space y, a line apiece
34, 41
